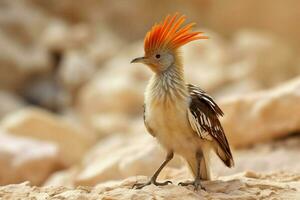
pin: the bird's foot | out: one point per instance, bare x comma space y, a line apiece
151, 181
196, 183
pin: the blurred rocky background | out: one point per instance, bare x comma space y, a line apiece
71, 102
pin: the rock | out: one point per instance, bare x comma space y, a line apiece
266, 157
249, 62
97, 51
80, 51
72, 139
21, 56
249, 185
265, 19
271, 60
60, 36
24, 159
206, 13
119, 96
75, 70
119, 157
262, 116
22, 21
10, 102
71, 11
116, 89
46, 92
63, 178
207, 60
114, 14
18, 64
112, 123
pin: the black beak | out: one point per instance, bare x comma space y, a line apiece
138, 60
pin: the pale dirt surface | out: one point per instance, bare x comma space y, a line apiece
249, 185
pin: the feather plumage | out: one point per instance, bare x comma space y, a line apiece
183, 118
170, 34
203, 116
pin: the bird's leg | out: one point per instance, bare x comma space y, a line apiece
154, 177
196, 183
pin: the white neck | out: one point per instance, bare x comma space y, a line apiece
168, 85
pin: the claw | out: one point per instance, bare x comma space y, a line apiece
163, 183
140, 185
154, 182
195, 183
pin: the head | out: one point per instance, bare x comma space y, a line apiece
163, 40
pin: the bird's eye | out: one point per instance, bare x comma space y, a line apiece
157, 56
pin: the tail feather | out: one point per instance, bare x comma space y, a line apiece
225, 157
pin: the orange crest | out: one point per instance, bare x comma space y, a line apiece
169, 34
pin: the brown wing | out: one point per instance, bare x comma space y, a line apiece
203, 117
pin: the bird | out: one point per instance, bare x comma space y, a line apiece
181, 116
